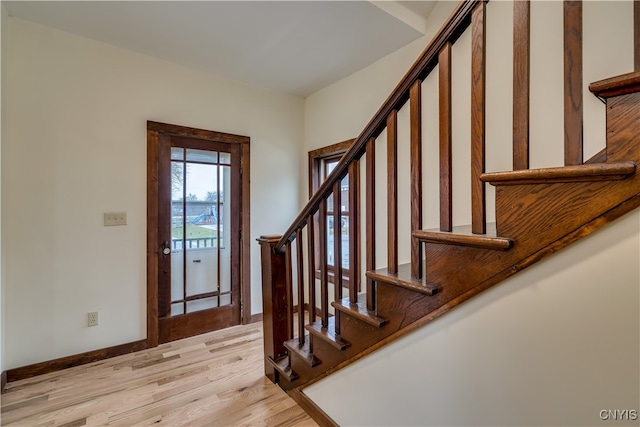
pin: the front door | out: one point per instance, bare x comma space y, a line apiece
199, 228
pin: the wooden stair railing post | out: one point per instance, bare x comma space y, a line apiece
300, 268
354, 231
573, 83
415, 112
371, 220
521, 79
337, 249
444, 93
274, 303
478, 119
392, 192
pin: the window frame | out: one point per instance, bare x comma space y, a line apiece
317, 161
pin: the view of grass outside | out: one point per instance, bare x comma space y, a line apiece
193, 232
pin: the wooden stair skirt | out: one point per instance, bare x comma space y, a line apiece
538, 212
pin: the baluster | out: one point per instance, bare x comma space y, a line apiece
289, 293
371, 220
300, 265
444, 86
572, 83
312, 274
392, 192
274, 298
521, 78
478, 66
415, 119
337, 248
354, 231
322, 259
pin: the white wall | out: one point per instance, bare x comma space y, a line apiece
553, 345
76, 139
517, 353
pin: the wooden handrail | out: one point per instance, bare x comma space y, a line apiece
449, 32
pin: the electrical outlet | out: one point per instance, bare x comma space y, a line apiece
115, 218
92, 318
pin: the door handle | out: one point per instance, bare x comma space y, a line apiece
166, 248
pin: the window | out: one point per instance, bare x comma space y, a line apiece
321, 164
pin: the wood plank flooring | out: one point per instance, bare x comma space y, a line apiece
215, 379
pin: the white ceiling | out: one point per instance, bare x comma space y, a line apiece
295, 47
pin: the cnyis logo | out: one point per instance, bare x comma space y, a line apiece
619, 414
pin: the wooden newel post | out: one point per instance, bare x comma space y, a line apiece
274, 302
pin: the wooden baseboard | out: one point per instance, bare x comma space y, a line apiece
3, 381
71, 361
255, 318
313, 410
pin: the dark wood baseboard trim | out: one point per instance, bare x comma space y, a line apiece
3, 381
71, 361
313, 410
255, 318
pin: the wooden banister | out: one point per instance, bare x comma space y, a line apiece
452, 29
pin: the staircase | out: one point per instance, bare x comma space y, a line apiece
314, 324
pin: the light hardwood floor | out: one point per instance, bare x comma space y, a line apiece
215, 379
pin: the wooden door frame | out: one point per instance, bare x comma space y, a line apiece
154, 131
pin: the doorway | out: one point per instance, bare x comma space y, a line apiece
197, 214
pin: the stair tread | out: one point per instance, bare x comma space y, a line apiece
461, 235
403, 279
327, 334
359, 311
283, 366
303, 352
618, 85
576, 173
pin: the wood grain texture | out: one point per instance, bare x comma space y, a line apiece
370, 225
573, 83
392, 191
521, 79
445, 125
55, 365
215, 379
464, 238
578, 173
274, 296
245, 224
624, 84
3, 381
478, 119
311, 245
415, 165
359, 310
152, 238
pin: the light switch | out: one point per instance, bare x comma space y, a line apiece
115, 218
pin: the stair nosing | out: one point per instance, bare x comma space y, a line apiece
287, 372
482, 241
380, 275
327, 335
302, 352
564, 174
360, 311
